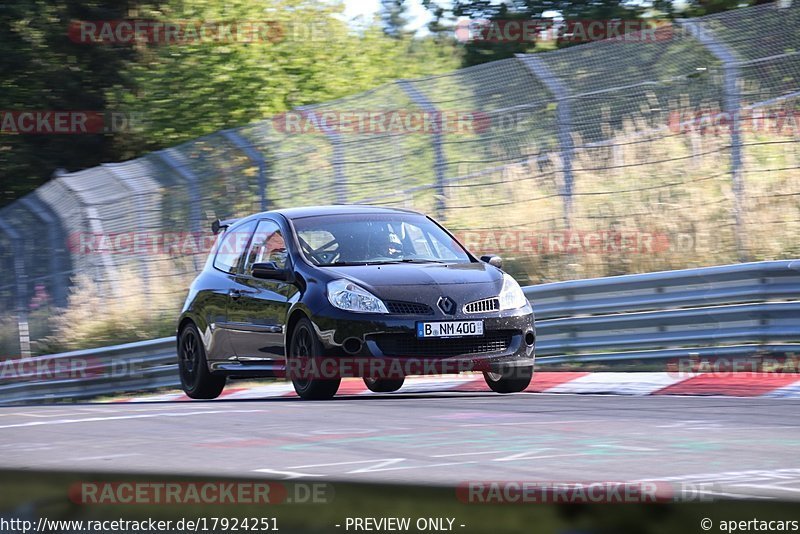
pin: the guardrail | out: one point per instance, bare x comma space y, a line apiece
732, 311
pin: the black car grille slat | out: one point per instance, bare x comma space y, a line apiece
409, 345
408, 308
482, 306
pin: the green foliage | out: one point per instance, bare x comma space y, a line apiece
178, 92
483, 51
44, 70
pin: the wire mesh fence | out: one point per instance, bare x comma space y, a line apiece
612, 157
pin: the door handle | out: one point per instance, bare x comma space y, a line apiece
236, 293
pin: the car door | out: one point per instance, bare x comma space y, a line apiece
257, 308
214, 298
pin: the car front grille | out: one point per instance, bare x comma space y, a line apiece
482, 306
411, 346
408, 308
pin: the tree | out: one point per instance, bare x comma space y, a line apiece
180, 91
456, 14
44, 70
393, 16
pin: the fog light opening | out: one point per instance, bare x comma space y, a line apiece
352, 345
529, 338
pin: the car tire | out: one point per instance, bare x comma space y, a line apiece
196, 380
305, 344
384, 385
509, 379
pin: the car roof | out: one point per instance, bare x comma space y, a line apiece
313, 211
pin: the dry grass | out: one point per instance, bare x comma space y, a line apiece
672, 189
97, 316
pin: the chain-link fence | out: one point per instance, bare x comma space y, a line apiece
619, 156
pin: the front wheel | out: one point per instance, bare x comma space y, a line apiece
304, 348
384, 385
509, 379
196, 380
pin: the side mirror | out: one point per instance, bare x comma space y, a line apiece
269, 271
491, 259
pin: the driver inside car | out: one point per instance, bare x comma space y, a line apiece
386, 245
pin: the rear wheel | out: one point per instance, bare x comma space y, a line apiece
509, 379
196, 380
384, 385
303, 348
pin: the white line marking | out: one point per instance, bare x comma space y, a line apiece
103, 457
530, 423
289, 474
624, 447
123, 417
767, 486
519, 457
465, 454
382, 461
374, 470
522, 455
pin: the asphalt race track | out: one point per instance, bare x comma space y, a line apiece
746, 447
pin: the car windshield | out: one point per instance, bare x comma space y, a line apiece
358, 239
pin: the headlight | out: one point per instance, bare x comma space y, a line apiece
511, 296
346, 295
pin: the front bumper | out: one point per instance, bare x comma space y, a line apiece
508, 341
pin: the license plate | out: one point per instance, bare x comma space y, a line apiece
450, 329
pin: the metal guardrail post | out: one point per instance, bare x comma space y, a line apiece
337, 159
254, 156
440, 163
564, 123
56, 244
194, 194
731, 106
21, 288
139, 211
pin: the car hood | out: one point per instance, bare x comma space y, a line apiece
404, 281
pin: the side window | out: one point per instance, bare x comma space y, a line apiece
267, 245
232, 246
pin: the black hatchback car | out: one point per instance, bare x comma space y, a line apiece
318, 293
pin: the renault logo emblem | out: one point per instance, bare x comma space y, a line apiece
447, 305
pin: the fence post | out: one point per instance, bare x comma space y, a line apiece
731, 106
135, 195
440, 163
564, 124
337, 160
254, 156
194, 195
56, 246
21, 290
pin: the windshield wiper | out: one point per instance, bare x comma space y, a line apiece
379, 262
418, 260
348, 263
